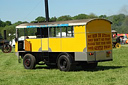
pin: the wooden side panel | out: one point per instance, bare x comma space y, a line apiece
99, 35
28, 46
35, 45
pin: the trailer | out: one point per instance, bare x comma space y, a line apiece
84, 42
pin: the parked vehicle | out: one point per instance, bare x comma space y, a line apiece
115, 40
124, 38
4, 44
84, 42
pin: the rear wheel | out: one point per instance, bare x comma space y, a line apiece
29, 61
65, 63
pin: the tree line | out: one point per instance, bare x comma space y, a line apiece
120, 22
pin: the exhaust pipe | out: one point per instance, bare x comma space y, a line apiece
46, 11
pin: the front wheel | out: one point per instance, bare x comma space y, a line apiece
29, 61
65, 63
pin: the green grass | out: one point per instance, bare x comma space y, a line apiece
107, 73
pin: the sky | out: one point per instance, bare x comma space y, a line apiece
29, 10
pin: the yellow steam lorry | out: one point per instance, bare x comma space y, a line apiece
65, 44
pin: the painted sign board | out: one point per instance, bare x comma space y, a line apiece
99, 41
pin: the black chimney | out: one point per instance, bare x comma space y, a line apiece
46, 11
5, 35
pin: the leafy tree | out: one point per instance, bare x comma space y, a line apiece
8, 23
80, 16
2, 24
92, 16
103, 16
117, 21
40, 19
125, 25
53, 19
18, 23
64, 18
24, 22
10, 30
33, 22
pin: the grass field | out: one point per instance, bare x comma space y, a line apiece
107, 73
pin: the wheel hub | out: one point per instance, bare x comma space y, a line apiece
63, 63
27, 62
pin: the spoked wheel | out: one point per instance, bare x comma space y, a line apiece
29, 61
6, 48
118, 45
65, 63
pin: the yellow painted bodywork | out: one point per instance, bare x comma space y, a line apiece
45, 44
98, 26
72, 44
79, 29
35, 44
16, 46
55, 44
78, 43
99, 35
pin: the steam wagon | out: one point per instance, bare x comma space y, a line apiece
65, 44
4, 44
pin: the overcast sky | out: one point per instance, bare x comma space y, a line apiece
28, 10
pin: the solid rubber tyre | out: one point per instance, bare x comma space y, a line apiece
65, 63
29, 61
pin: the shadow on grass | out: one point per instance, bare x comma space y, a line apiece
45, 67
7, 53
78, 68
102, 68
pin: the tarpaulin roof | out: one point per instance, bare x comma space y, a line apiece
58, 23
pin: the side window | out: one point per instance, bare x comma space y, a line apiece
67, 31
28, 33
54, 32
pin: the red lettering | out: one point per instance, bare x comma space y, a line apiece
98, 48
102, 39
90, 40
91, 43
89, 36
99, 34
107, 39
90, 48
94, 35
96, 39
108, 42
105, 35
107, 47
102, 43
97, 43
